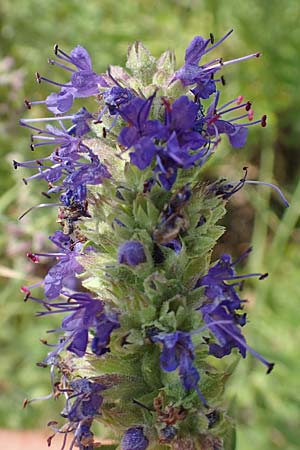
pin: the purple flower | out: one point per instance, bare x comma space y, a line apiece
203, 76
131, 253
134, 439
224, 305
66, 267
105, 325
87, 402
83, 83
116, 98
85, 313
136, 113
178, 352
83, 403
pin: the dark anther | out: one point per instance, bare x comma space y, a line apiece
212, 38
55, 49
31, 147
38, 77
42, 364
221, 61
213, 418
25, 403
264, 121
24, 181
258, 54
49, 440
104, 132
27, 104
51, 61
15, 164
248, 106
45, 194
263, 276
223, 80
270, 368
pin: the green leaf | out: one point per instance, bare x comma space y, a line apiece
141, 63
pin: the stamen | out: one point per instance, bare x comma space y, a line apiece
219, 41
233, 61
23, 122
63, 66
42, 205
273, 186
39, 79
269, 365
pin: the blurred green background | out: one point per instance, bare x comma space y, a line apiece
267, 407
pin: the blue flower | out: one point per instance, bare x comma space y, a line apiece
178, 352
83, 82
131, 253
222, 308
134, 439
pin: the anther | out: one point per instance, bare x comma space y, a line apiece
221, 61
31, 147
264, 121
27, 103
25, 403
250, 114
248, 106
223, 80
240, 99
263, 276
51, 61
270, 368
212, 38
55, 49
38, 77
49, 440
26, 291
33, 257
25, 181
15, 164
104, 134
258, 54
42, 365
46, 195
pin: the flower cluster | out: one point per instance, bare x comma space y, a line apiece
135, 230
